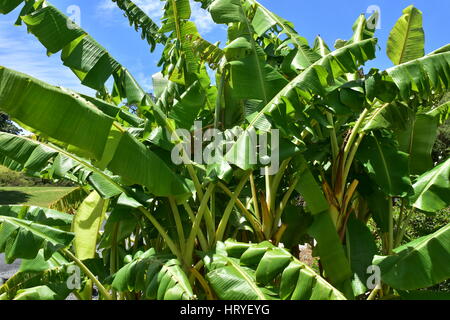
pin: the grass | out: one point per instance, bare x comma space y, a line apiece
32, 196
13, 178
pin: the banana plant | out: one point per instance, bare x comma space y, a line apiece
354, 149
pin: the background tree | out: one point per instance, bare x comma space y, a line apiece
6, 125
441, 149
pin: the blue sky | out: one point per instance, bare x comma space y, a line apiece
331, 19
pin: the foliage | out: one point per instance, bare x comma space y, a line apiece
238, 271
355, 146
423, 224
10, 178
6, 124
441, 149
13, 178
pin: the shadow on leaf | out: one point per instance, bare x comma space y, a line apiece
13, 197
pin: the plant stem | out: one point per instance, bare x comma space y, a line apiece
113, 255
354, 134
351, 156
218, 108
400, 217
203, 283
201, 236
374, 292
279, 234
276, 183
162, 232
284, 203
333, 137
226, 215
402, 228
155, 222
268, 189
390, 239
185, 158
210, 226
179, 225
250, 218
196, 225
213, 210
88, 273
194, 177
255, 197
200, 264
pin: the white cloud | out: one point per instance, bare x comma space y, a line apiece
155, 10
145, 81
22, 52
202, 19
107, 5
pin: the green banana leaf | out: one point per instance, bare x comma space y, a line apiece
432, 189
208, 52
422, 76
361, 248
302, 56
315, 78
44, 216
388, 116
419, 264
36, 293
67, 117
386, 166
86, 226
121, 223
185, 110
330, 250
24, 231
71, 201
235, 282
309, 188
6, 6
320, 47
424, 295
22, 153
251, 76
407, 39
80, 52
37, 272
361, 30
159, 277
418, 141
140, 21
419, 136
239, 271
